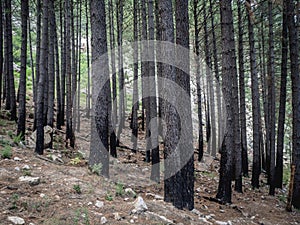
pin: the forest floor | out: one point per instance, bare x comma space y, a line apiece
67, 192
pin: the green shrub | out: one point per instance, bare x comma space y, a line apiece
6, 153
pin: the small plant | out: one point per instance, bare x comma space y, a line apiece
119, 189
109, 197
14, 199
77, 188
97, 169
17, 139
26, 172
6, 153
10, 134
75, 161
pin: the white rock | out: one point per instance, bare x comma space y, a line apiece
99, 204
203, 220
221, 222
42, 195
47, 138
17, 169
90, 203
17, 159
140, 205
31, 180
129, 191
16, 220
158, 197
26, 167
103, 220
196, 211
131, 221
117, 216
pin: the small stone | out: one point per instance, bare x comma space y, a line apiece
220, 222
103, 220
129, 191
31, 180
26, 167
222, 210
42, 195
158, 197
31, 224
131, 221
196, 211
57, 197
140, 205
126, 199
17, 169
203, 220
90, 203
263, 197
16, 220
117, 216
99, 204
17, 159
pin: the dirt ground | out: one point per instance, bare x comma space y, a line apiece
69, 193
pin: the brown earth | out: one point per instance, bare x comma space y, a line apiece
68, 191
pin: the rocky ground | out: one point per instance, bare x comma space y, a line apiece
58, 188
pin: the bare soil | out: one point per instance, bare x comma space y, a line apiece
68, 190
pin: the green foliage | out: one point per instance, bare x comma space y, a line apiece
119, 189
17, 139
81, 214
14, 199
75, 161
6, 153
97, 168
109, 197
77, 188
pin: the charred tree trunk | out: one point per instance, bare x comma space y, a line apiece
22, 99
282, 104
39, 149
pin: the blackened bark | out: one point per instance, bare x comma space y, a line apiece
271, 101
121, 118
135, 97
171, 162
229, 74
88, 100
294, 60
38, 44
282, 104
51, 67
22, 97
152, 104
11, 94
199, 101
242, 92
186, 148
100, 74
113, 116
1, 52
255, 107
39, 149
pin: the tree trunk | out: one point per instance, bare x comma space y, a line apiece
51, 67
271, 101
229, 74
121, 118
152, 104
113, 116
39, 149
242, 92
11, 94
22, 99
88, 63
255, 107
135, 97
282, 104
199, 101
1, 52
294, 60
185, 146
100, 75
